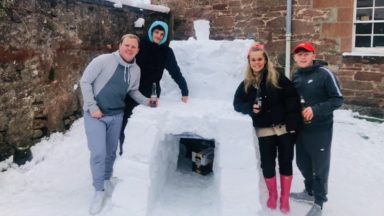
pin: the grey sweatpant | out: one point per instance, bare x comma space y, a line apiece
102, 135
313, 155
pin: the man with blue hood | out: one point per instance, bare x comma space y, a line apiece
155, 55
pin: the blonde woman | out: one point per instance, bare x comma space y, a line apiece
274, 105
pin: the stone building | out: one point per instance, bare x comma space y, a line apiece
45, 46
348, 34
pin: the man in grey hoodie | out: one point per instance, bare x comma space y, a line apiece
104, 85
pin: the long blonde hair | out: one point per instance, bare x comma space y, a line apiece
255, 80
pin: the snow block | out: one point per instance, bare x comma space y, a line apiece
150, 156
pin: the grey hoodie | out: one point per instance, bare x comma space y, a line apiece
106, 81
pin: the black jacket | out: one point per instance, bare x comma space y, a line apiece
279, 105
320, 89
152, 60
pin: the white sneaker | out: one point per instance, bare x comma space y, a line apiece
303, 197
97, 203
108, 187
315, 210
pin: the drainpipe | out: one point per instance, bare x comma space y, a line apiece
288, 22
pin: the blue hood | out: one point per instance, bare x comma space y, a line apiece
162, 24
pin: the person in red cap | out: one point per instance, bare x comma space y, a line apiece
273, 103
320, 96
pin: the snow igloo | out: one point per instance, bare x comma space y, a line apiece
154, 175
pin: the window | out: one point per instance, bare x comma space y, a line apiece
369, 26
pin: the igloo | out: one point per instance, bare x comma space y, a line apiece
149, 172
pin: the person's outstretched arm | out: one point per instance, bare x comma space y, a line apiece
174, 70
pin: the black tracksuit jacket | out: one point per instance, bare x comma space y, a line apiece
320, 90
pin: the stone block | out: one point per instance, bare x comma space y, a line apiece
220, 6
357, 85
303, 27
344, 14
336, 30
366, 76
224, 21
346, 44
39, 123
333, 4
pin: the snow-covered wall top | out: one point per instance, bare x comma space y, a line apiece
143, 4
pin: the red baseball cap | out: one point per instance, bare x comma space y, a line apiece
304, 46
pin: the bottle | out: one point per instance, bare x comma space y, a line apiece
258, 100
303, 106
153, 98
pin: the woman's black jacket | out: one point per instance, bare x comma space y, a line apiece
279, 105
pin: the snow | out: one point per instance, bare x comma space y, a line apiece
203, 29
142, 4
150, 178
139, 23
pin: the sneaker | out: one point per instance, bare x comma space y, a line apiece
108, 187
302, 197
314, 211
96, 203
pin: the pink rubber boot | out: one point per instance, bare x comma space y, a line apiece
285, 182
272, 190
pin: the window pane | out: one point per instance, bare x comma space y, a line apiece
378, 28
363, 28
364, 14
378, 41
379, 14
364, 3
363, 41
379, 3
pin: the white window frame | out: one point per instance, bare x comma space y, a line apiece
372, 50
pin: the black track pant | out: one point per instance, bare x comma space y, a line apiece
280, 147
130, 104
313, 154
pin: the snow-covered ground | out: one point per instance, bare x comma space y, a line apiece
58, 180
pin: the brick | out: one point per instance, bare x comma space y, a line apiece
366, 76
333, 3
336, 30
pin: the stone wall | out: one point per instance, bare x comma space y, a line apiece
328, 24
44, 48
46, 44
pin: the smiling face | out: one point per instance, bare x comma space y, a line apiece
157, 36
128, 48
304, 58
257, 61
